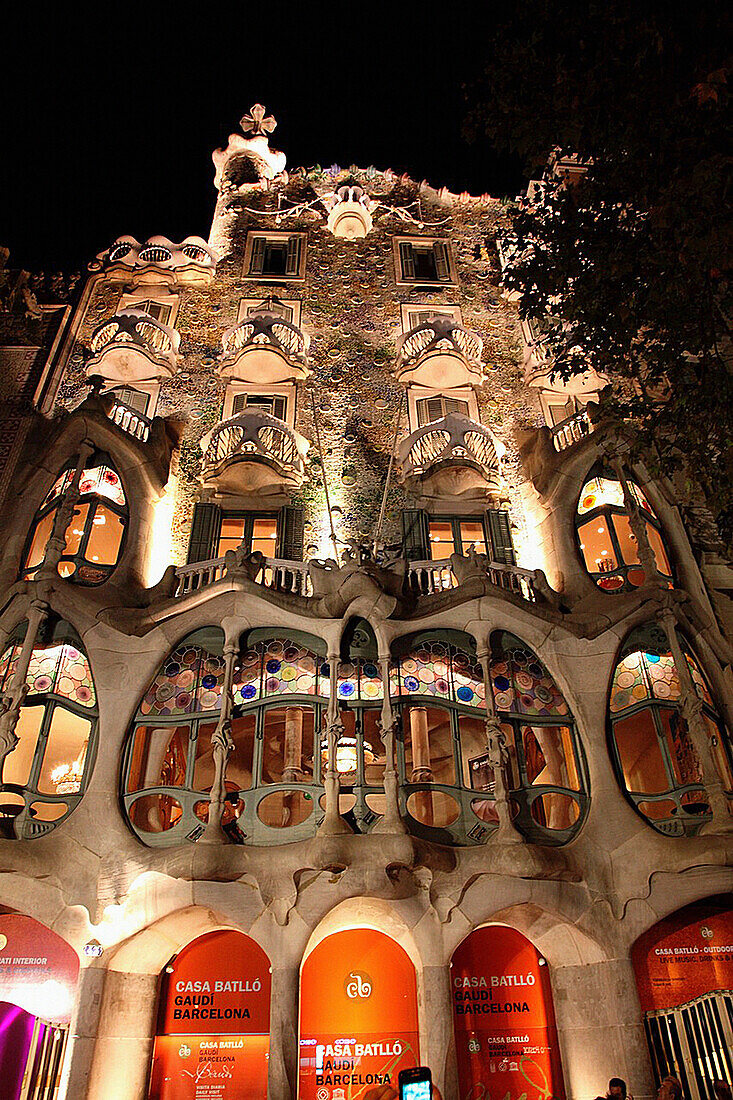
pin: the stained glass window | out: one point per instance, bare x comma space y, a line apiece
521, 682
93, 538
655, 755
48, 768
441, 670
605, 536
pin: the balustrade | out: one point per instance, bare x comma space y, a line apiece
440, 353
133, 347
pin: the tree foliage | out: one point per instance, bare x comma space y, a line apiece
630, 269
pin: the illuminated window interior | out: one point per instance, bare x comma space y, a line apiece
253, 531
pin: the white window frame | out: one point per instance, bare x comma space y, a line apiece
148, 293
420, 393
273, 235
280, 389
409, 314
293, 304
426, 242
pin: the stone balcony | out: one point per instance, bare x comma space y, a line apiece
439, 353
253, 452
191, 262
264, 348
127, 418
453, 457
132, 347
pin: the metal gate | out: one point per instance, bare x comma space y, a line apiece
43, 1067
694, 1042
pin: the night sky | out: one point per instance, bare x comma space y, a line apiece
109, 123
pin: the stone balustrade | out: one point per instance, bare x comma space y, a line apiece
427, 577
571, 430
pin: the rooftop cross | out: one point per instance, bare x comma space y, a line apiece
256, 123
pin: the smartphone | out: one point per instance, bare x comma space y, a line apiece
415, 1084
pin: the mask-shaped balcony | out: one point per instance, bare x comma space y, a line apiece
253, 452
439, 353
452, 457
133, 347
264, 348
348, 213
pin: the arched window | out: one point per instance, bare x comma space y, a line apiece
605, 537
44, 777
448, 781
280, 686
654, 755
94, 535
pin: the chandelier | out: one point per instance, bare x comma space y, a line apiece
347, 753
67, 777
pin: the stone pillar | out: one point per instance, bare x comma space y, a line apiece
293, 748
17, 688
333, 824
282, 1073
222, 747
392, 821
608, 1041
83, 1032
437, 1047
124, 1045
421, 770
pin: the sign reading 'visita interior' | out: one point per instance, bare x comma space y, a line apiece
213, 1036
506, 1041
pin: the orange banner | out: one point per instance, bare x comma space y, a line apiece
685, 956
210, 1067
506, 1040
38, 969
358, 1015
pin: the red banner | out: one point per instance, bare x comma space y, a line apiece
358, 1015
506, 1040
38, 969
685, 956
214, 1022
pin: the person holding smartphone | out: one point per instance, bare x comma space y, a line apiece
408, 1088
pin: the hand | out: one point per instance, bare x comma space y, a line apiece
386, 1092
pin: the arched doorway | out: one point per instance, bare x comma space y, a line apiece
358, 1015
38, 976
503, 1019
684, 974
213, 1033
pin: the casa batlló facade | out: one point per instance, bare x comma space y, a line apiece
364, 705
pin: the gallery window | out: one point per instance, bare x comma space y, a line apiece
435, 538
424, 260
275, 255
605, 537
280, 689
253, 531
45, 775
215, 530
95, 534
655, 758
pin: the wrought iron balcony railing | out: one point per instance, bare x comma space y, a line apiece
456, 453
253, 452
439, 353
133, 347
264, 348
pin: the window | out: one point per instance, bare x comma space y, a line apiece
275, 256
275, 406
456, 535
605, 537
276, 534
280, 689
424, 260
44, 776
435, 408
162, 308
655, 758
288, 309
412, 316
94, 535
134, 399
256, 532
437, 537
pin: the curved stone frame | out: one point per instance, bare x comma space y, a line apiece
23, 826
92, 500
606, 512
682, 826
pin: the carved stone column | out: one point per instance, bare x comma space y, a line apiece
697, 729
392, 821
293, 747
498, 758
421, 769
56, 544
333, 824
17, 688
638, 527
222, 746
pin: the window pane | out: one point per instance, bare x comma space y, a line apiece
640, 754
549, 757
374, 751
66, 750
626, 540
428, 746
239, 768
41, 536
685, 763
264, 535
719, 737
155, 813
474, 763
276, 255
442, 544
287, 752
231, 534
596, 546
75, 530
158, 757
472, 531
17, 766
105, 537
346, 749
424, 261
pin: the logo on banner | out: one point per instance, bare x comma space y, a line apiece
3, 942
358, 984
706, 933
184, 1051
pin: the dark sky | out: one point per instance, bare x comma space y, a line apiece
109, 122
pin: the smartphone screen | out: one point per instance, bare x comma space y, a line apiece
416, 1090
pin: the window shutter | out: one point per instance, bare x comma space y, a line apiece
279, 406
407, 260
257, 257
239, 403
500, 536
135, 399
415, 534
204, 532
455, 405
291, 533
442, 267
292, 264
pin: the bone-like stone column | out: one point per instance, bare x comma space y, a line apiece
392, 821
222, 747
333, 824
282, 1072
17, 688
498, 757
125, 1038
